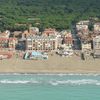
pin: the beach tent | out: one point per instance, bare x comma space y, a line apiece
34, 53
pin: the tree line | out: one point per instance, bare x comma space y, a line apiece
59, 14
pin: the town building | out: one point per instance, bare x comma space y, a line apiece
41, 43
50, 31
82, 25
84, 35
8, 43
81, 33
5, 34
68, 39
96, 45
66, 48
97, 27
25, 34
3, 43
86, 46
12, 43
33, 30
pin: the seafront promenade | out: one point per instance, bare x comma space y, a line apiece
54, 64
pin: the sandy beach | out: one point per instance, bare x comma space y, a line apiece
55, 64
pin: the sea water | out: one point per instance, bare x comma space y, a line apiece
49, 87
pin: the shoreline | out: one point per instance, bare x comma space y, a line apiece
50, 73
45, 72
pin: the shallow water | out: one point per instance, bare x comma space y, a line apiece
50, 87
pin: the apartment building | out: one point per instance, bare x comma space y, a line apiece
82, 25
12, 43
96, 45
86, 46
68, 39
41, 43
5, 34
8, 43
97, 27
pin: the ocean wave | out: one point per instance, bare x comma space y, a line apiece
53, 82
18, 82
76, 82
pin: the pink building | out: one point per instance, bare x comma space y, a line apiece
68, 39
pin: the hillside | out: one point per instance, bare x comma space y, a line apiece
45, 13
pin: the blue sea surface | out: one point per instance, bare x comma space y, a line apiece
49, 87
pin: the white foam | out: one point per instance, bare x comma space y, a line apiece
97, 83
53, 82
18, 82
76, 82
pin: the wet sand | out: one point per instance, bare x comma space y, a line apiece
55, 64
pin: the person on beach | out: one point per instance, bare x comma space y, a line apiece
82, 56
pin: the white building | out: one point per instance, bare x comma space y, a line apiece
97, 27
82, 25
33, 30
41, 43
96, 45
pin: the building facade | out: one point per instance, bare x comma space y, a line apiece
86, 46
96, 45
12, 43
82, 25
8, 43
41, 43
97, 27
68, 39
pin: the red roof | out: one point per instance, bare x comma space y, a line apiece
9, 39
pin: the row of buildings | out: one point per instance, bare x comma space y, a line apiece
90, 39
51, 40
33, 40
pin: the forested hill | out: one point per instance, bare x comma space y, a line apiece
45, 13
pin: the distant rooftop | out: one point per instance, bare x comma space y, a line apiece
84, 22
41, 37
